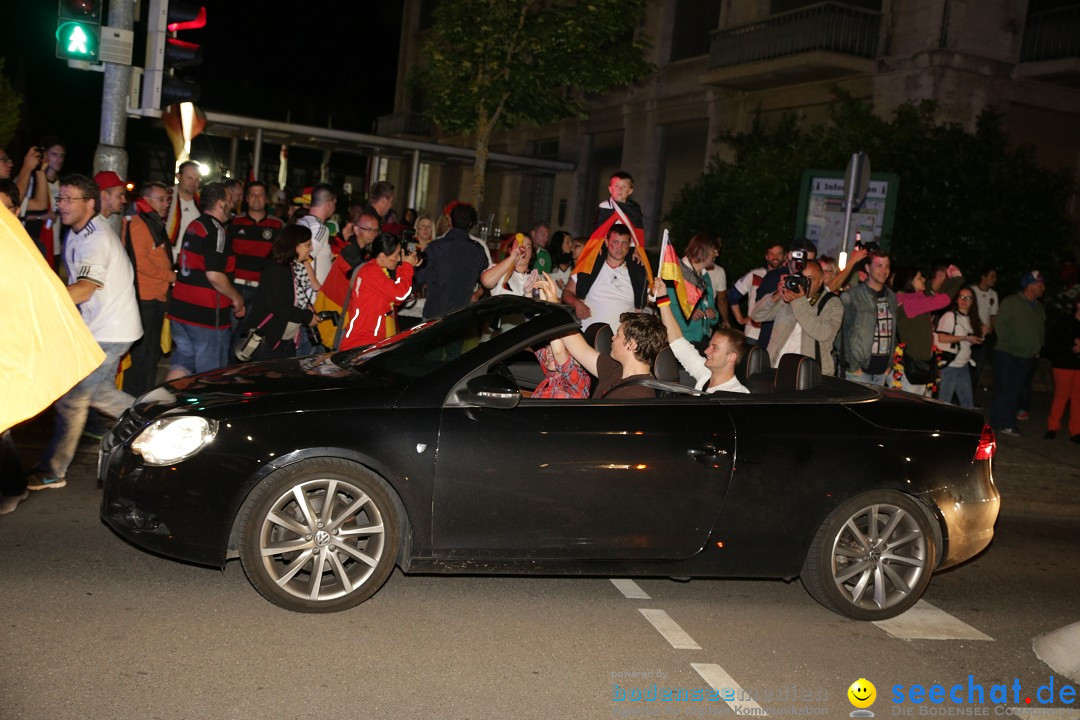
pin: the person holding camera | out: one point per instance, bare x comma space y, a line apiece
282, 302
802, 251
383, 283
805, 322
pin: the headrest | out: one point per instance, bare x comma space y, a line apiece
797, 372
753, 361
666, 367
602, 341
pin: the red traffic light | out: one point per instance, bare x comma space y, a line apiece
85, 8
183, 16
80, 11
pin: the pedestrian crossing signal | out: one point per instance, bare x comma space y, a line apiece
78, 41
78, 30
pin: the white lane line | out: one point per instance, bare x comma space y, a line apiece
630, 589
669, 629
1060, 649
927, 622
724, 684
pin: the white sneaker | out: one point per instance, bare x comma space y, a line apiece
9, 503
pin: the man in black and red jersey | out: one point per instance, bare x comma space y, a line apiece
252, 235
204, 299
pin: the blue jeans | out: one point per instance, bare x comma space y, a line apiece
956, 380
1010, 375
866, 378
97, 390
199, 349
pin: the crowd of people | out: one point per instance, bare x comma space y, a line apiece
223, 272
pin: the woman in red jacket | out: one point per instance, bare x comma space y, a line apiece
382, 283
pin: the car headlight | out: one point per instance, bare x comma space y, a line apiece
171, 440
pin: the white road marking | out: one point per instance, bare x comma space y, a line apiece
724, 684
669, 629
1060, 649
630, 589
927, 622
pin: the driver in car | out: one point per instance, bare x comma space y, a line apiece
634, 348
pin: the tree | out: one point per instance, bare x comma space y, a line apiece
492, 64
964, 196
9, 108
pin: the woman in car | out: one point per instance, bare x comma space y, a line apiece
383, 283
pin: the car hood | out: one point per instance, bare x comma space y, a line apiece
270, 382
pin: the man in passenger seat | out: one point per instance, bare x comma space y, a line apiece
716, 371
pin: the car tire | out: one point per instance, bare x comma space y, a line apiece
872, 557
307, 555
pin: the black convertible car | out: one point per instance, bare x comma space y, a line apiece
425, 451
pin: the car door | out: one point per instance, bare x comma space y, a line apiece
573, 479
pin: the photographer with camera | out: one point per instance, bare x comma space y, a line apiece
282, 304
802, 251
805, 322
383, 283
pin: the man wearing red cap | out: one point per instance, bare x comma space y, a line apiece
113, 197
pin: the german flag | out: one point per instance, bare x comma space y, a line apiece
671, 271
587, 259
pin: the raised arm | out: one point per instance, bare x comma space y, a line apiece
575, 343
494, 274
671, 324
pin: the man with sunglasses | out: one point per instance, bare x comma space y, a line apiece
101, 283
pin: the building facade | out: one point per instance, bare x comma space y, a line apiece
720, 64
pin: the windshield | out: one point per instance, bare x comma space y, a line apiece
421, 350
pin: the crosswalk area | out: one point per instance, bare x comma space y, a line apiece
948, 637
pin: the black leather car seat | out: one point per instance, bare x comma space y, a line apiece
797, 372
665, 366
590, 333
602, 339
754, 360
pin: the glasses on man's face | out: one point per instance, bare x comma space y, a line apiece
68, 200
368, 229
5, 159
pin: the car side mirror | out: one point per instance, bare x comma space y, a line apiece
492, 390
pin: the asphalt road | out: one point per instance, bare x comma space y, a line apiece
95, 628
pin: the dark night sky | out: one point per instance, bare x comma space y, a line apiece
259, 60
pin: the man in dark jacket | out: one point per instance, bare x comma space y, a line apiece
452, 266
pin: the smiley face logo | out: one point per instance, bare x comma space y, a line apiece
862, 693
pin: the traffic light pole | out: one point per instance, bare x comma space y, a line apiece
110, 153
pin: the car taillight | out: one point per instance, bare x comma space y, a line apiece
987, 444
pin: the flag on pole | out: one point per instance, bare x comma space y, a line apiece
670, 270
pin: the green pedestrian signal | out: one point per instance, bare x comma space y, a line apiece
78, 41
78, 30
